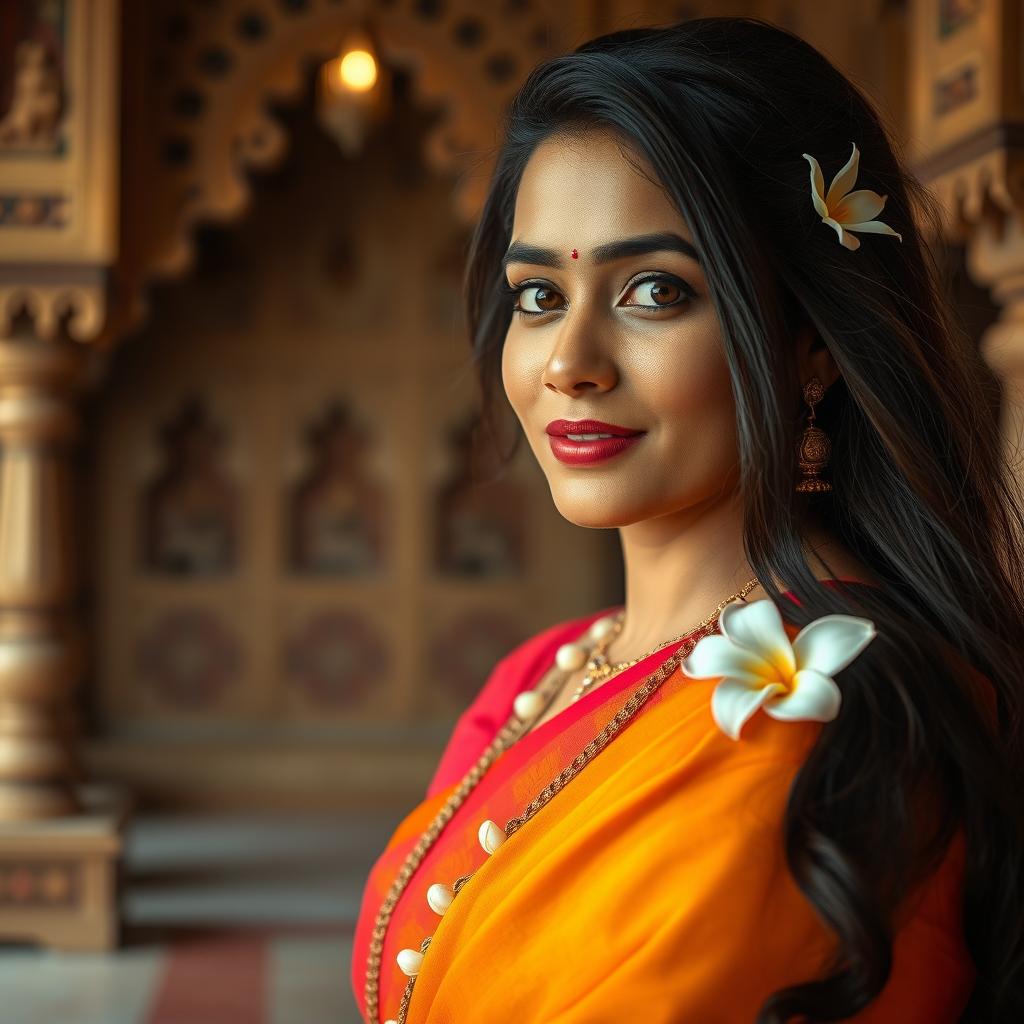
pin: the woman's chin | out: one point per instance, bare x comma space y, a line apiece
595, 515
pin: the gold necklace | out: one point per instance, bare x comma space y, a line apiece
598, 667
514, 727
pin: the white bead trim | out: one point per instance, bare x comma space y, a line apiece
490, 836
439, 897
409, 961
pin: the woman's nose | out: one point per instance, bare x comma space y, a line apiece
577, 364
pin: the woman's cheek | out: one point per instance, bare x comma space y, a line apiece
690, 395
511, 374
685, 374
521, 372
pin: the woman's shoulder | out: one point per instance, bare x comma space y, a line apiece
517, 670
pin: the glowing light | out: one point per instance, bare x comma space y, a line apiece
358, 70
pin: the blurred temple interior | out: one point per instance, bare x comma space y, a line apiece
254, 558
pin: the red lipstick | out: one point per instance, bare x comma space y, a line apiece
569, 447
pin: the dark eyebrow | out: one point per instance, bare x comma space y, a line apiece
638, 245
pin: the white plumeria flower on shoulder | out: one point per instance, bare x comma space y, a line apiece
844, 210
761, 668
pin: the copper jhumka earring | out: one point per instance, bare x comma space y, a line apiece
815, 447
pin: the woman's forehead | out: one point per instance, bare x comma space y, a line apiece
591, 189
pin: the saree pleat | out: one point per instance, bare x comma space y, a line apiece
653, 887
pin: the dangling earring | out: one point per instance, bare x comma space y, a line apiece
815, 447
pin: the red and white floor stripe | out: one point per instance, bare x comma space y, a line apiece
297, 976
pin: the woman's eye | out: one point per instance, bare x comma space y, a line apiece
535, 298
655, 292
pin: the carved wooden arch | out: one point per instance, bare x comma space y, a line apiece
222, 63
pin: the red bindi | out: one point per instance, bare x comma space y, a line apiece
575, 255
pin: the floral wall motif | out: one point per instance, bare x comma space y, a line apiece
465, 650
189, 658
333, 657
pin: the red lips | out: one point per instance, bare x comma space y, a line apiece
583, 453
559, 428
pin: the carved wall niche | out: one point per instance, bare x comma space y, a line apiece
327, 462
191, 509
170, 472
207, 76
337, 512
344, 568
479, 528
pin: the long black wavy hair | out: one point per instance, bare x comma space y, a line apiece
925, 747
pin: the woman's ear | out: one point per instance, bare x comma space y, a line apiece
814, 358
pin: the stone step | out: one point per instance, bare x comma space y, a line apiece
249, 870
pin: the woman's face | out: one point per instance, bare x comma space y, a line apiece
628, 338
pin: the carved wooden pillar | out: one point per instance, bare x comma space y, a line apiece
967, 138
39, 637
59, 837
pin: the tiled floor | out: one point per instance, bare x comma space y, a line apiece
247, 921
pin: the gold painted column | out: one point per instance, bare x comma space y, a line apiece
40, 645
967, 144
60, 838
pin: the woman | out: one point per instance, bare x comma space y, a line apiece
701, 834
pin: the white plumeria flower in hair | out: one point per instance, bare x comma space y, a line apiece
761, 668
844, 210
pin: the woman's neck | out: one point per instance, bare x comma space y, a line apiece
679, 568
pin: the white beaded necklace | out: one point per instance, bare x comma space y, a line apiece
526, 706
577, 654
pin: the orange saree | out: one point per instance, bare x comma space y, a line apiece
652, 887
